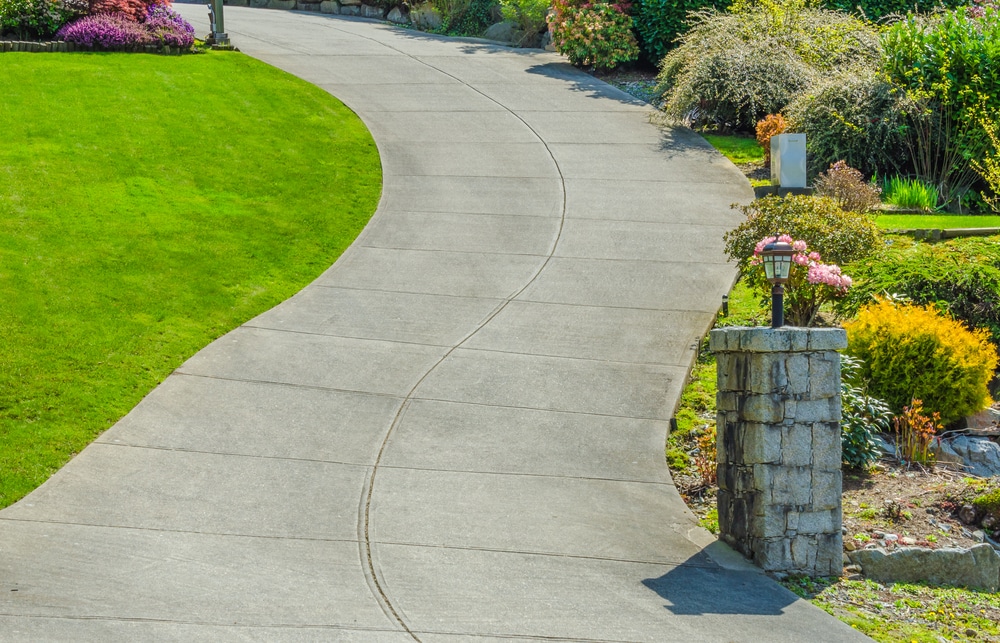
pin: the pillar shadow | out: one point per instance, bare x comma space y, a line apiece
700, 585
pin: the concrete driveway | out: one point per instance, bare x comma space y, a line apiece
456, 433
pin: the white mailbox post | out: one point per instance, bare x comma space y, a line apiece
788, 160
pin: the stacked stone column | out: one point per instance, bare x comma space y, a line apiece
778, 442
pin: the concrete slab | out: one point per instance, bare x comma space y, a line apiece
59, 630
359, 70
432, 98
528, 513
476, 195
447, 590
662, 201
555, 383
360, 365
75, 571
462, 274
467, 437
635, 162
642, 241
561, 330
576, 95
529, 160
200, 493
453, 127
486, 233
212, 415
439, 320
654, 285
594, 127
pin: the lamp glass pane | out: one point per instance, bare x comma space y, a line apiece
782, 266
769, 266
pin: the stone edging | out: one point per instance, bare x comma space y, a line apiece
63, 46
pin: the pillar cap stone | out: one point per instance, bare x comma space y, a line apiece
787, 339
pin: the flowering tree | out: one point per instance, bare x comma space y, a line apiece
811, 282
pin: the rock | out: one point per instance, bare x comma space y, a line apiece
944, 454
350, 2
502, 31
985, 419
852, 569
990, 522
281, 4
425, 17
368, 11
979, 536
891, 537
350, 10
850, 545
909, 541
981, 455
967, 514
329, 6
977, 568
302, 5
397, 16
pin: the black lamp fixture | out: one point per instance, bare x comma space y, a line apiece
777, 258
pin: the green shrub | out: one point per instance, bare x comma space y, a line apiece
960, 276
28, 19
947, 64
989, 166
911, 194
598, 34
658, 23
474, 19
840, 237
732, 69
914, 352
848, 188
528, 15
862, 417
855, 116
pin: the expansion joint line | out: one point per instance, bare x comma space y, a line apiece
366, 519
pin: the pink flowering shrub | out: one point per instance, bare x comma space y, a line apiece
811, 282
595, 34
161, 26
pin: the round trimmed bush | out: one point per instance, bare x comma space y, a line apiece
916, 352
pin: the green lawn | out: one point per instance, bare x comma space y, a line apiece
936, 221
149, 204
738, 149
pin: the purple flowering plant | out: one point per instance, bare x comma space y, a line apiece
811, 281
162, 26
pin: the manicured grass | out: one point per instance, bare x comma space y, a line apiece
738, 149
935, 221
149, 204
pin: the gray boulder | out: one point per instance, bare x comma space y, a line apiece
425, 17
397, 16
981, 455
977, 568
368, 11
502, 32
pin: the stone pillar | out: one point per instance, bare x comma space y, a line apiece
779, 454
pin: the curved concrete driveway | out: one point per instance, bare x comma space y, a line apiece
456, 433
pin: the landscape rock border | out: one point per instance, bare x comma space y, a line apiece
31, 46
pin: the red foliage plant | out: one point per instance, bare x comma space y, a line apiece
769, 126
133, 9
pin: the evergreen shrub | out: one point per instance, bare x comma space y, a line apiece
855, 116
959, 276
40, 19
658, 23
916, 352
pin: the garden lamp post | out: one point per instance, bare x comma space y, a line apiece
218, 35
777, 257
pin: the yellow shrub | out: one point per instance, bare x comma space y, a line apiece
917, 352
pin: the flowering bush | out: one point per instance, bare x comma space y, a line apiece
134, 9
597, 34
811, 283
166, 27
162, 26
104, 31
38, 18
978, 8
